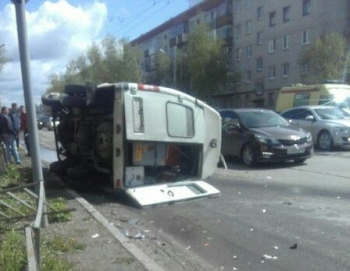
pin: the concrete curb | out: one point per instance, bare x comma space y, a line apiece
146, 261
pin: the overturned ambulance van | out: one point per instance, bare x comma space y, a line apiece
156, 143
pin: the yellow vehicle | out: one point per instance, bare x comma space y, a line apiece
299, 94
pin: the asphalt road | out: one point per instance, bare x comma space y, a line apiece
274, 217
264, 213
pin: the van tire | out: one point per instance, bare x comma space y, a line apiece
325, 141
248, 156
48, 100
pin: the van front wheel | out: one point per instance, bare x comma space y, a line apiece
325, 141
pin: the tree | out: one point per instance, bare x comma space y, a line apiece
163, 69
325, 59
205, 63
109, 61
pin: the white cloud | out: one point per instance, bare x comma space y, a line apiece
57, 32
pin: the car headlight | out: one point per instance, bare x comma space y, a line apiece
309, 137
266, 140
341, 129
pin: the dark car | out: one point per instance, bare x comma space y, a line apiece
46, 122
261, 135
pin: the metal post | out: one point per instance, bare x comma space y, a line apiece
174, 66
28, 97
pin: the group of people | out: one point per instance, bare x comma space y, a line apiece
13, 121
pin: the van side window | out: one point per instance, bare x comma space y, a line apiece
180, 121
301, 99
326, 99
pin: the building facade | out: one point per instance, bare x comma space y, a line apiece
268, 37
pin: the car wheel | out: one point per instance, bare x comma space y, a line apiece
300, 161
248, 156
325, 141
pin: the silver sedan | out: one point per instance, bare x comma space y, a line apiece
329, 126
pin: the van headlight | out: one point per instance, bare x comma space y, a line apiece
266, 140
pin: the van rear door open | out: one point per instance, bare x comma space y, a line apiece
173, 142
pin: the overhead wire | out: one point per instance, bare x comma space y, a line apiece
137, 22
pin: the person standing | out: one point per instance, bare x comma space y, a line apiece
8, 134
16, 122
24, 128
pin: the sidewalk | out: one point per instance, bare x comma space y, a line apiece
106, 248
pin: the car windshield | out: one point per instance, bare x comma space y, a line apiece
331, 113
263, 118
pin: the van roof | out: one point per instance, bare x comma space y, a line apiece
315, 86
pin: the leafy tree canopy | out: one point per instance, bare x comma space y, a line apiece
326, 59
108, 61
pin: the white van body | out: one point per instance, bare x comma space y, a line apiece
155, 143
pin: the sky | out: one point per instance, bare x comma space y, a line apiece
60, 30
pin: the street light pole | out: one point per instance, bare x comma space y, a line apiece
174, 66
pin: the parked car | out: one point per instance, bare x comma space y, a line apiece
329, 125
46, 122
261, 135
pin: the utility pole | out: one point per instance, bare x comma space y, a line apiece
28, 97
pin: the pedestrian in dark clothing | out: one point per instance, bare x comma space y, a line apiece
8, 134
16, 122
24, 128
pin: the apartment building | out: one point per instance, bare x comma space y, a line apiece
172, 35
267, 37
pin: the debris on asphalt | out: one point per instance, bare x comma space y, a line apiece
264, 210
294, 246
138, 235
95, 235
275, 247
268, 257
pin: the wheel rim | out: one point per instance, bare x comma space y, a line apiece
247, 155
325, 141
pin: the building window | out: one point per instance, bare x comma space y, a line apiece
238, 54
259, 64
248, 26
286, 14
285, 70
272, 18
259, 13
259, 88
272, 46
247, 3
272, 72
259, 37
238, 30
304, 68
248, 51
305, 37
285, 42
248, 76
237, 5
306, 7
